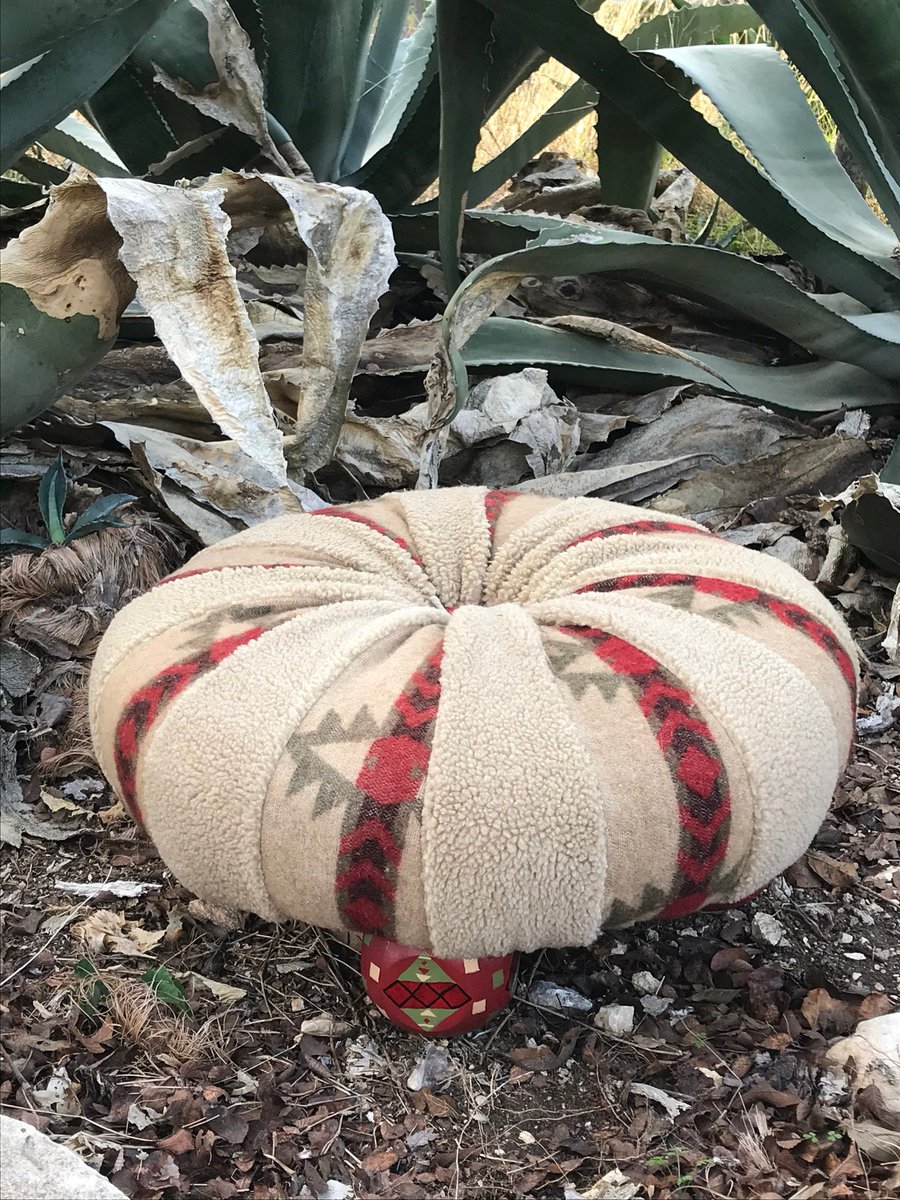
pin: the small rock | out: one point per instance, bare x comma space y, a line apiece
552, 995
767, 931
870, 1057
35, 1165
655, 1006
617, 1019
526, 1137
645, 983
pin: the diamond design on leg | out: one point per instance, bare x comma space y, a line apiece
426, 995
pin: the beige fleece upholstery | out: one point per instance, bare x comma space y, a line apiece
475, 721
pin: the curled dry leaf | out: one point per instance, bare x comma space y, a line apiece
226, 992
237, 96
174, 247
212, 488
350, 257
108, 932
68, 262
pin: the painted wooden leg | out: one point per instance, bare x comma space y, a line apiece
438, 997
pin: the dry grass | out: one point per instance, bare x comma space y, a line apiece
131, 1014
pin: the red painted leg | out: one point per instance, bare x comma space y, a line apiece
438, 997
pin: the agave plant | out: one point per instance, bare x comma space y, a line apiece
52, 493
358, 93
355, 87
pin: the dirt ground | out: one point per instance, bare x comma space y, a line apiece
252, 1064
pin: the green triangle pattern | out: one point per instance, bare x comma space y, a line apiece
428, 1018
436, 974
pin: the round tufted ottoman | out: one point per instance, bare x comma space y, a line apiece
476, 722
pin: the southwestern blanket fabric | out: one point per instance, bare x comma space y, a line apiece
476, 721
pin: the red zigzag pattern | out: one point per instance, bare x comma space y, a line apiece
494, 503
647, 526
690, 751
349, 515
390, 783
145, 706
791, 615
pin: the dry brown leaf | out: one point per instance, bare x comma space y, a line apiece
108, 932
836, 874
823, 1011
225, 992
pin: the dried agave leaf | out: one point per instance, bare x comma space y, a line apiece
350, 248
350, 257
626, 337
213, 488
174, 247
68, 263
237, 96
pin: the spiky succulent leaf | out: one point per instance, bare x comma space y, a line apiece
817, 387
811, 50
100, 515
10, 538
44, 355
33, 28
465, 31
572, 36
58, 82
785, 138
52, 491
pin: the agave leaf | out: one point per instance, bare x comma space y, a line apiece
628, 156
52, 492
42, 355
14, 194
65, 76
812, 388
82, 144
638, 258
465, 31
18, 537
38, 171
698, 25
174, 248
154, 130
890, 472
312, 54
811, 51
350, 257
235, 95
785, 138
32, 29
868, 340
61, 298
573, 37
99, 515
411, 75
379, 65
406, 167
866, 40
